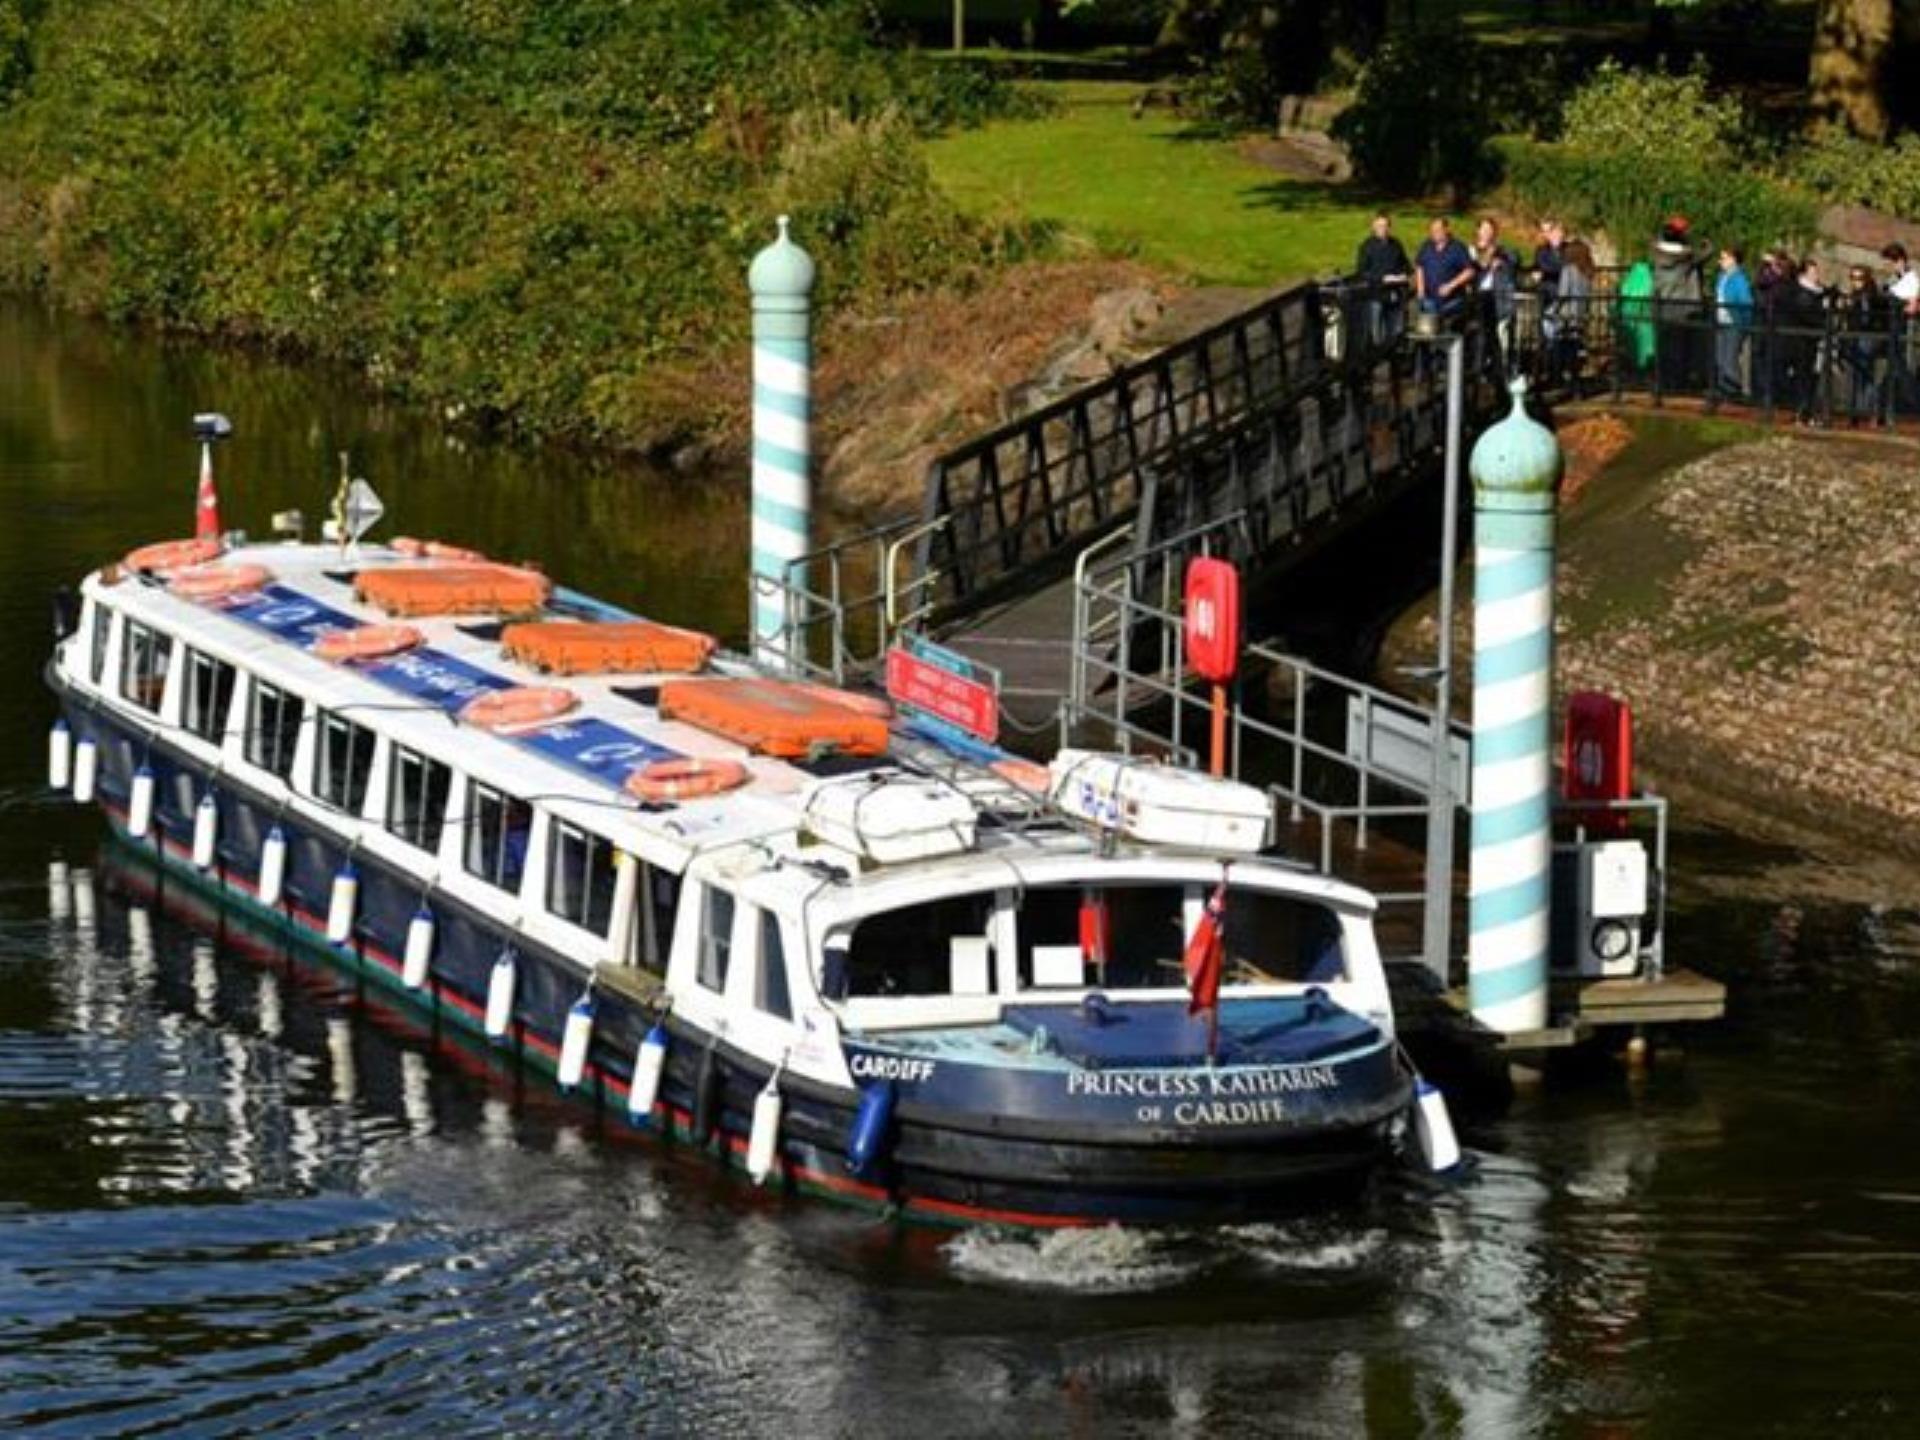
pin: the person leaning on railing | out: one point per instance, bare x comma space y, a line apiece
1866, 318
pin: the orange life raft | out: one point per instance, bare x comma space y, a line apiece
485, 589
366, 642
213, 582
789, 719
563, 647
522, 707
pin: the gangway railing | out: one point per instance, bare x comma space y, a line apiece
1020, 500
1348, 764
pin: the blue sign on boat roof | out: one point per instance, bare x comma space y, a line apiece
594, 747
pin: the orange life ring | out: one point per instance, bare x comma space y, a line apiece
1025, 774
521, 707
165, 556
685, 779
366, 642
215, 582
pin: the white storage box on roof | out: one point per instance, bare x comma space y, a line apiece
889, 817
1160, 804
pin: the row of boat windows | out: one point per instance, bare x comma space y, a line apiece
581, 874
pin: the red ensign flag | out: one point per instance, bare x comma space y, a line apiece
206, 511
1206, 953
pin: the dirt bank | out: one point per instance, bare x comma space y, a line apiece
1758, 606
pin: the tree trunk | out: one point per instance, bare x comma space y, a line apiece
1847, 75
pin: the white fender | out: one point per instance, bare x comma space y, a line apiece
1433, 1128
273, 867
575, 1041
500, 996
649, 1061
59, 756
342, 903
86, 766
206, 828
763, 1141
419, 952
140, 804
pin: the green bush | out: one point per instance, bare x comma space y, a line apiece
1629, 198
1847, 170
1656, 117
525, 211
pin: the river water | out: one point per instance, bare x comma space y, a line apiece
232, 1202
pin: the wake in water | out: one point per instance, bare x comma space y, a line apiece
1112, 1260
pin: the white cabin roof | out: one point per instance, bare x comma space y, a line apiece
576, 766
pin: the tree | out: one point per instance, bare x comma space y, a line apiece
1847, 73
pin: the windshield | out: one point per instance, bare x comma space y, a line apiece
1112, 937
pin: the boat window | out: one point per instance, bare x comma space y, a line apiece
209, 696
498, 826
1281, 937
580, 877
931, 949
273, 728
344, 763
716, 939
662, 888
102, 632
144, 658
770, 985
417, 798
1143, 928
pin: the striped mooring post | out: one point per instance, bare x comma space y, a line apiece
781, 279
1515, 469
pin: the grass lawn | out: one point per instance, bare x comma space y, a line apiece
1157, 188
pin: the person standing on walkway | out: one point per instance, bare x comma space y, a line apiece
1732, 319
1572, 305
1677, 303
1494, 267
1383, 269
1442, 270
1866, 314
1903, 294
1802, 315
1549, 259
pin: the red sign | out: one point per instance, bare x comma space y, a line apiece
960, 700
1597, 761
1213, 619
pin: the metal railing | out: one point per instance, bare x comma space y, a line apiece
1820, 357
1019, 501
1307, 735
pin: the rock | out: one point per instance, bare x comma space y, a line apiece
1117, 319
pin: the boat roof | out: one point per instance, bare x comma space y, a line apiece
577, 766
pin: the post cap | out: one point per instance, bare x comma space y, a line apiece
1519, 455
782, 271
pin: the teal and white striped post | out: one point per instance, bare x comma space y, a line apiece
781, 280
1515, 468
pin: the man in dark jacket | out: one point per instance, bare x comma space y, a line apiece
1382, 268
1443, 271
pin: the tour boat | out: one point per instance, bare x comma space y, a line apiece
759, 914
